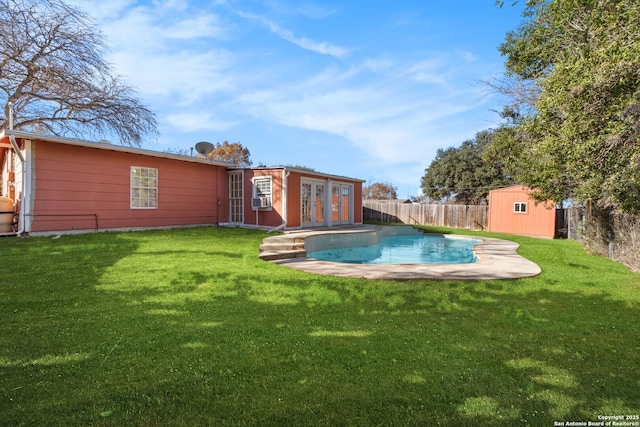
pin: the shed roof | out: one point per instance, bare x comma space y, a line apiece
517, 187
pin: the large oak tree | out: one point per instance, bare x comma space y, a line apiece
581, 141
462, 174
379, 191
234, 153
54, 77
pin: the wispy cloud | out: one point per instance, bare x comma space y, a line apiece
390, 101
323, 48
198, 121
388, 114
164, 49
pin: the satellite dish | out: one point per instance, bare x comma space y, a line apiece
204, 147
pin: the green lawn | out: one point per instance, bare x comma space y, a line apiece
188, 327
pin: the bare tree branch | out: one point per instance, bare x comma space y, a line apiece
53, 73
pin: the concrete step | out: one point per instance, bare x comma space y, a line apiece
273, 255
281, 246
285, 238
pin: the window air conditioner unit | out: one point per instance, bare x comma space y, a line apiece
259, 202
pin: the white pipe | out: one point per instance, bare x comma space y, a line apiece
328, 206
23, 194
280, 227
285, 190
16, 148
285, 186
10, 115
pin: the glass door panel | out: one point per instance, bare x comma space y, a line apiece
235, 198
335, 204
306, 203
319, 219
345, 204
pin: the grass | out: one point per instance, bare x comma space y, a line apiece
188, 327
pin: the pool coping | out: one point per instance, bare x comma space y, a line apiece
498, 259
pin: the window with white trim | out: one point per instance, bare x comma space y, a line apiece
520, 207
262, 190
144, 188
235, 197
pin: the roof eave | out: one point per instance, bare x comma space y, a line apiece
111, 147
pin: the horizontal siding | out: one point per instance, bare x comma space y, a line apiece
74, 186
539, 220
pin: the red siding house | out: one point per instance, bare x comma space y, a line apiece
299, 198
68, 185
512, 211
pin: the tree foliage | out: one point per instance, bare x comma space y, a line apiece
233, 153
53, 73
380, 191
463, 174
582, 140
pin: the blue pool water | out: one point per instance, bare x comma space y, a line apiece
406, 249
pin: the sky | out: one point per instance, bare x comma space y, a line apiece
364, 89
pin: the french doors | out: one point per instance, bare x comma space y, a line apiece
319, 207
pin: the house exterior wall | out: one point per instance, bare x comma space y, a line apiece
269, 217
293, 201
81, 188
357, 209
537, 221
276, 215
74, 185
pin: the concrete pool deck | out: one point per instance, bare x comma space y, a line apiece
497, 259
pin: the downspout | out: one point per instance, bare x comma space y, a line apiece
16, 149
328, 207
12, 138
285, 192
285, 183
23, 195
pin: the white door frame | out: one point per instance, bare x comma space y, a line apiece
343, 210
309, 203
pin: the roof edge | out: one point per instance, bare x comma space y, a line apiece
112, 147
305, 171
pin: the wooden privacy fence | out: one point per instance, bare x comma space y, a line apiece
454, 216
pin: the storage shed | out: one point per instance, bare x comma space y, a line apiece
513, 211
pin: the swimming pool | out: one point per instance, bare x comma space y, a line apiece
405, 249
497, 258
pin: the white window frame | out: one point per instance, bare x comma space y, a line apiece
143, 188
257, 190
520, 207
236, 197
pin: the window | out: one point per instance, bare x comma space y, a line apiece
262, 191
144, 188
520, 207
235, 197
